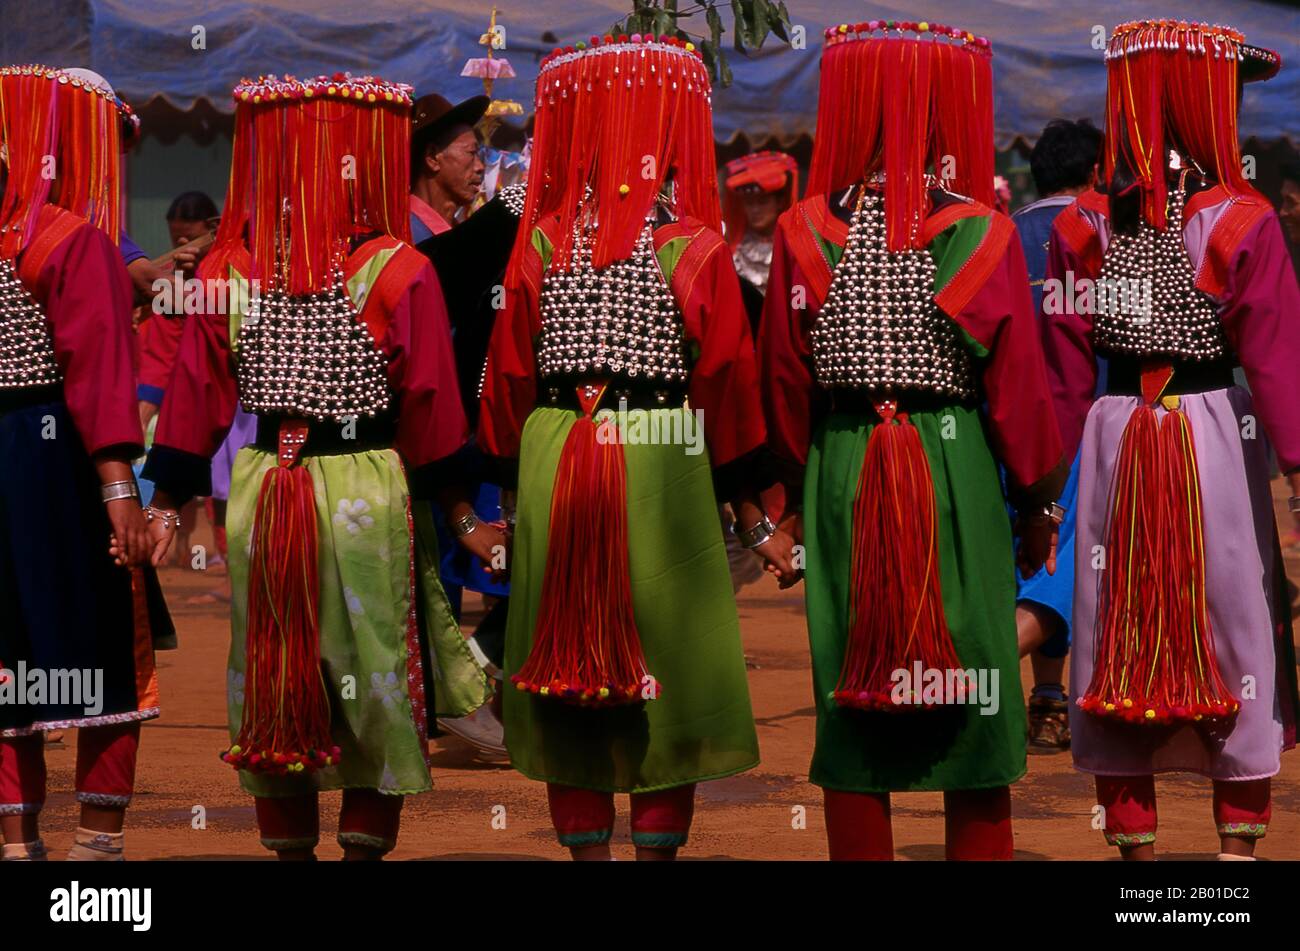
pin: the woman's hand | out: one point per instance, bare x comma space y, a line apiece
1038, 537
778, 558
129, 543
490, 544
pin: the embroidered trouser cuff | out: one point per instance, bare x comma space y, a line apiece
583, 817
106, 758
367, 818
1241, 808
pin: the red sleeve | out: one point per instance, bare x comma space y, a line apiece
1021, 421
785, 360
1067, 340
724, 378
88, 305
510, 378
1261, 316
198, 406
422, 372
160, 339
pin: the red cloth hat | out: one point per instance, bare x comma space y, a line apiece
758, 171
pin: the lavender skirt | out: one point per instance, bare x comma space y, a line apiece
1242, 573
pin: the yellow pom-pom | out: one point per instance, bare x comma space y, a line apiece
844, 28
544, 691
604, 692
234, 750
1110, 707
922, 27
1150, 714
370, 98
690, 47
308, 93
623, 189
1127, 703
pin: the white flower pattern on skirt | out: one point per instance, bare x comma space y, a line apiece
352, 515
386, 688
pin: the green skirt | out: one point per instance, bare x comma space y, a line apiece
952, 747
385, 680
701, 725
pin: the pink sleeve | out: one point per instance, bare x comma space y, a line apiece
1261, 316
1015, 381
1067, 342
199, 403
422, 372
785, 367
724, 379
88, 306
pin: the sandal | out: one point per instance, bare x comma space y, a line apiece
1049, 723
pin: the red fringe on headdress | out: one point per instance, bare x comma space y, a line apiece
901, 106
1155, 659
586, 649
286, 722
42, 117
896, 617
1161, 94
620, 118
316, 164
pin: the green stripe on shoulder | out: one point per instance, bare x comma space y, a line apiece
544, 247
954, 245
670, 255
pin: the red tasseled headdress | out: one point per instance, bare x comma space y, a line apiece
619, 117
48, 112
316, 162
1170, 79
901, 105
765, 171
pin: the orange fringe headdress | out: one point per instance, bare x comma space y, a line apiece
61, 116
1170, 79
619, 116
316, 163
762, 171
899, 105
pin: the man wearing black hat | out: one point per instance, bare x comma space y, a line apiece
446, 177
446, 167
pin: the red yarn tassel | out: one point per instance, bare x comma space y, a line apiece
586, 649
1155, 650
286, 724
896, 617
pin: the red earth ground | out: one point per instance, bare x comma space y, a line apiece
751, 816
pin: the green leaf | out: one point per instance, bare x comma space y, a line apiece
741, 27
781, 22
714, 20
762, 15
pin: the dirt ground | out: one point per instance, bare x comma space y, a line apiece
752, 816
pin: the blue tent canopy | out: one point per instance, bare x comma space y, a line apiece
1045, 60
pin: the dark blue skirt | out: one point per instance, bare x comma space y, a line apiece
69, 612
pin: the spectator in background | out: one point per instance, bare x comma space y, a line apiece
446, 164
1064, 165
1289, 212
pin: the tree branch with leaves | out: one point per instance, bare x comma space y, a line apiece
752, 21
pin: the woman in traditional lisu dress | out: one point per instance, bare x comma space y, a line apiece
622, 644
901, 364
332, 330
80, 611
1184, 658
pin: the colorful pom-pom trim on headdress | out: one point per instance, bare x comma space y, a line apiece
880, 29
360, 89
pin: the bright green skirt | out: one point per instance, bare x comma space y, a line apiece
701, 726
369, 659
954, 747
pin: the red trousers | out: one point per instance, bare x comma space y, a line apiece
660, 819
367, 818
977, 825
105, 768
1129, 806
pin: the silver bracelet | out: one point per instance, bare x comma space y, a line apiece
112, 491
170, 518
757, 534
465, 524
